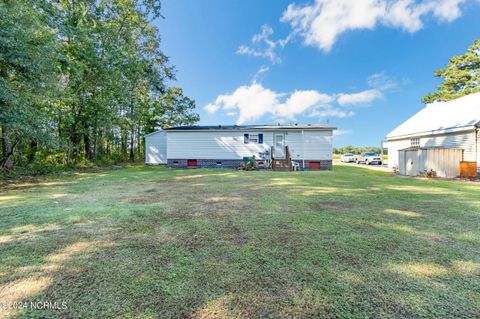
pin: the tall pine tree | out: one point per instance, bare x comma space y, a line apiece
460, 77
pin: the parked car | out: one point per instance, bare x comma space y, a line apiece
347, 158
368, 158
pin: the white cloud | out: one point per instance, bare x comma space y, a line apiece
381, 81
252, 102
264, 46
321, 23
342, 132
211, 107
300, 101
330, 111
363, 97
263, 69
265, 33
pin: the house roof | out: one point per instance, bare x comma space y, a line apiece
442, 117
251, 127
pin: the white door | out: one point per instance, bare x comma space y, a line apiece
279, 146
411, 162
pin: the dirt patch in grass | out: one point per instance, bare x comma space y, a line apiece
143, 200
329, 205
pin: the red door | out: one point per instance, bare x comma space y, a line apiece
314, 166
191, 163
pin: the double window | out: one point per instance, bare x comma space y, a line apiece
253, 138
415, 142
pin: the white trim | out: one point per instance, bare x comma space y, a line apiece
255, 129
435, 132
153, 133
303, 150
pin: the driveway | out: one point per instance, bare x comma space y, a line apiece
372, 167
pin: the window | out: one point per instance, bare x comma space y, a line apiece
415, 142
253, 138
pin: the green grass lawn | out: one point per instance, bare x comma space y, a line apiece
150, 242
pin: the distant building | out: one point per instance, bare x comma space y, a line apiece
452, 125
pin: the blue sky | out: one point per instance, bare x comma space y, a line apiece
361, 66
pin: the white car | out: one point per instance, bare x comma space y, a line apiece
348, 158
368, 158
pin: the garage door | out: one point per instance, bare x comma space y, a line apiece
314, 166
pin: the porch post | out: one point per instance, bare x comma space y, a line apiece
303, 152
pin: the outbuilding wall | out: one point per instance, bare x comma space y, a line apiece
466, 140
445, 162
156, 148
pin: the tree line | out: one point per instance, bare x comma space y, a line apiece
83, 81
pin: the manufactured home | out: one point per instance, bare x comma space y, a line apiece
305, 146
438, 138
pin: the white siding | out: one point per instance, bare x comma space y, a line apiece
445, 162
230, 144
294, 142
318, 145
213, 145
393, 148
463, 140
156, 148
478, 149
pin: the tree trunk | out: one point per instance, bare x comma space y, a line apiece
75, 141
6, 161
132, 146
88, 146
139, 144
33, 151
124, 143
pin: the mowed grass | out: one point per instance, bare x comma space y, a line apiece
151, 242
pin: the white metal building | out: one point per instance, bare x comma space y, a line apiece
156, 147
448, 125
444, 162
226, 146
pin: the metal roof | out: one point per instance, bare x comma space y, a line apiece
251, 127
153, 133
413, 148
442, 117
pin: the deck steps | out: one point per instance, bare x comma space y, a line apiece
283, 164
